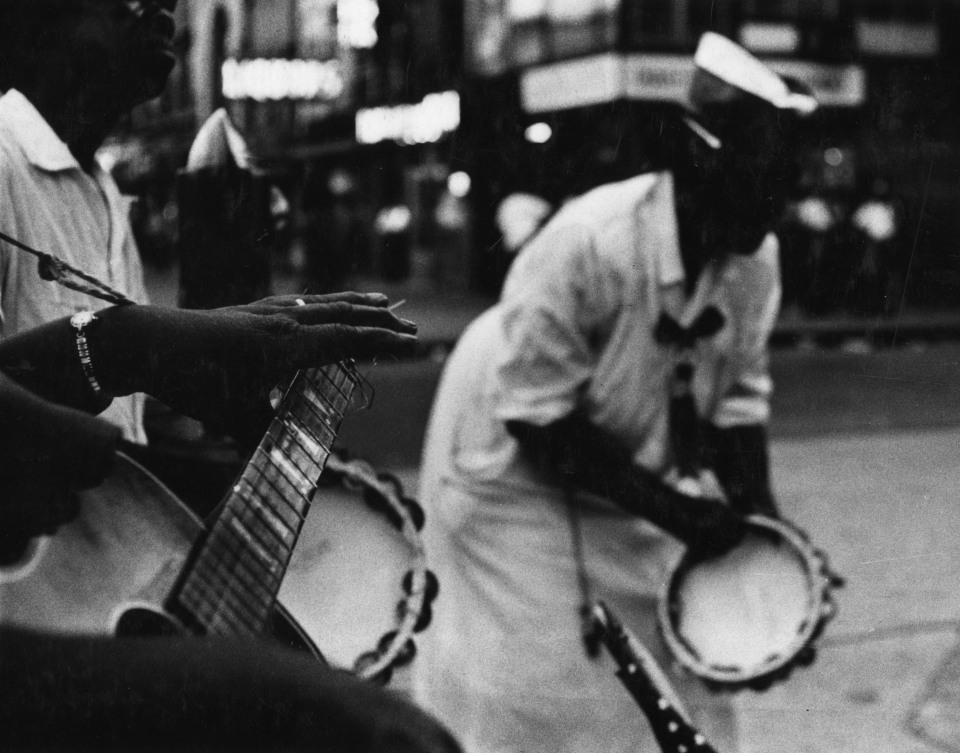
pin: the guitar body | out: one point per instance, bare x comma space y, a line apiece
111, 570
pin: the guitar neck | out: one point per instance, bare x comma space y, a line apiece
232, 585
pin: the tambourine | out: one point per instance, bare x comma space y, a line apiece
363, 589
749, 616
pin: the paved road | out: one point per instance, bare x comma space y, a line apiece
866, 454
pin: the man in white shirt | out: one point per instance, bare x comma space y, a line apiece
626, 356
69, 77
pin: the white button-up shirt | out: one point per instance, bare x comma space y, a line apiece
48, 202
503, 664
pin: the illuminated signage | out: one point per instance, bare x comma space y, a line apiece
422, 123
278, 79
897, 39
770, 37
357, 23
664, 78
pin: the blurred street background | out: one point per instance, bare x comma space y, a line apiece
388, 135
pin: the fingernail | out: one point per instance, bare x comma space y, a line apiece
408, 323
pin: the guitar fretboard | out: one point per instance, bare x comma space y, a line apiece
232, 585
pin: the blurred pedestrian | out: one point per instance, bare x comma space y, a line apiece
621, 380
876, 281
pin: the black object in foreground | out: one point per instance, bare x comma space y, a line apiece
647, 683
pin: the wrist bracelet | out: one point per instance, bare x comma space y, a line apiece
81, 322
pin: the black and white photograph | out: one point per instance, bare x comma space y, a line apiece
480, 376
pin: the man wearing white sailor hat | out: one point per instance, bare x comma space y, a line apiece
625, 363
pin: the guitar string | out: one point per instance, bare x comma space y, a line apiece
205, 611
238, 557
227, 578
262, 507
215, 580
262, 475
246, 562
246, 511
227, 556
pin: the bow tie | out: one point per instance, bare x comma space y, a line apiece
685, 439
670, 332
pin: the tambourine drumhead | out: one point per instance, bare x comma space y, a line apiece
750, 612
345, 578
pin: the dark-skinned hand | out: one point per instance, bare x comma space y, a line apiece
219, 366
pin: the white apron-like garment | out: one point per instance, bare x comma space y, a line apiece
503, 663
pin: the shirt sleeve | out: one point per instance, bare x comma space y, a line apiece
552, 302
748, 399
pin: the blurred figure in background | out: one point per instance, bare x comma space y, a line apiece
227, 220
333, 236
519, 217
875, 286
621, 380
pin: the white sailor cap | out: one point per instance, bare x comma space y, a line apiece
720, 61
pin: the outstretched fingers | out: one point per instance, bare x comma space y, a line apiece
342, 312
349, 297
329, 343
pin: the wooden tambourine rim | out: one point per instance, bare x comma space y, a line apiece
358, 474
820, 610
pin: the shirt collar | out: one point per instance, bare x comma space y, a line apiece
669, 264
41, 145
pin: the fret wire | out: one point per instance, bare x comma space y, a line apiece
323, 419
271, 572
279, 492
266, 579
265, 506
320, 389
216, 571
340, 373
242, 520
317, 395
277, 445
211, 607
324, 449
308, 455
226, 612
244, 611
283, 497
304, 433
303, 407
252, 602
337, 387
229, 630
299, 492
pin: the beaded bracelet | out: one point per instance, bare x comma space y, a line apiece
80, 322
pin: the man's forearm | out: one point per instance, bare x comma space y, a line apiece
739, 457
575, 452
42, 437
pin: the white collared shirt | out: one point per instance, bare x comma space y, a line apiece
580, 307
48, 202
574, 328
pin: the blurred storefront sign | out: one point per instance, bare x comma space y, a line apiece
279, 79
897, 39
422, 123
770, 38
357, 23
663, 77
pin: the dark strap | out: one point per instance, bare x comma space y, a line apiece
55, 269
686, 441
